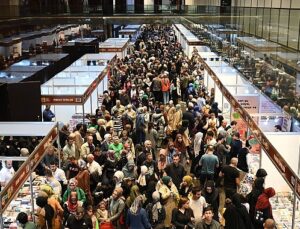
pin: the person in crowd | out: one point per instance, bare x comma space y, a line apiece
58, 174
137, 215
45, 213
90, 214
231, 178
183, 216
72, 168
208, 221
50, 157
156, 212
186, 186
211, 195
69, 149
197, 203
6, 173
95, 171
263, 207
208, 162
176, 171
236, 145
88, 147
244, 218
170, 196
48, 115
269, 224
72, 187
116, 209
53, 183
116, 146
22, 218
257, 190
102, 212
79, 220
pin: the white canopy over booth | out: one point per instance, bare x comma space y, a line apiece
115, 45
76, 89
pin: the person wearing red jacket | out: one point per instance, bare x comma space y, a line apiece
263, 208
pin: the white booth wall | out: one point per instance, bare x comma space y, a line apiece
288, 145
64, 113
274, 179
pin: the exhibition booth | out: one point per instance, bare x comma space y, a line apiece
188, 40
277, 152
75, 90
130, 31
19, 194
115, 45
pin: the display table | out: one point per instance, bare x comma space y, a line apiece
18, 194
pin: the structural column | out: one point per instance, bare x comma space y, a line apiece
121, 6
108, 8
139, 6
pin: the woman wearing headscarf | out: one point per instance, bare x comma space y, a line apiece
105, 144
171, 119
116, 207
109, 168
244, 218
180, 145
263, 207
169, 196
142, 180
72, 187
53, 202
134, 193
211, 195
162, 162
177, 122
118, 178
71, 205
45, 213
258, 188
83, 179
156, 212
137, 216
186, 186
129, 170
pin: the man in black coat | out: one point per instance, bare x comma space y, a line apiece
175, 170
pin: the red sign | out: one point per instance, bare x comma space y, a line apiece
285, 170
61, 99
20, 177
111, 49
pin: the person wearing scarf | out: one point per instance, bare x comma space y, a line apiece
73, 188
137, 217
186, 186
258, 188
54, 203
142, 180
72, 203
129, 170
170, 197
118, 178
263, 204
211, 195
156, 212
162, 161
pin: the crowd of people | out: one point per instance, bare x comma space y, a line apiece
157, 153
